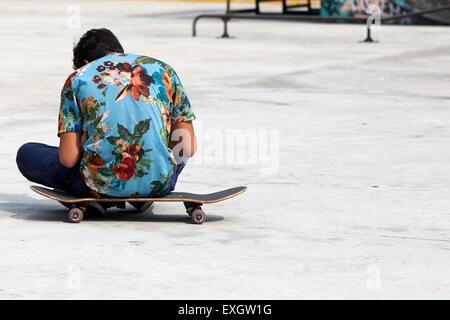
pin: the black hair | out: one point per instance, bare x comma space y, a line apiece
93, 45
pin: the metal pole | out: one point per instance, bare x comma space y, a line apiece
194, 26
225, 34
368, 37
225, 21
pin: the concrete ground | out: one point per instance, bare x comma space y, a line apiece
348, 201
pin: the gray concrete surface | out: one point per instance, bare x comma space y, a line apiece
357, 209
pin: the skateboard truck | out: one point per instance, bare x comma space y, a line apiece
194, 210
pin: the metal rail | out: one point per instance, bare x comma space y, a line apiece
246, 14
226, 17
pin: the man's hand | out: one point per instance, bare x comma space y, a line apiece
70, 149
182, 140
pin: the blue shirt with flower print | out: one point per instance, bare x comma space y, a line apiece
125, 104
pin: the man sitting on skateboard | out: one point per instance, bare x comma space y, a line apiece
124, 125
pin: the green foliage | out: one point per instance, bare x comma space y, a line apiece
98, 181
164, 135
105, 172
112, 140
99, 133
145, 60
117, 152
123, 132
158, 187
69, 94
145, 163
140, 129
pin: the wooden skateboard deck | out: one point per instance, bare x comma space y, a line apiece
77, 206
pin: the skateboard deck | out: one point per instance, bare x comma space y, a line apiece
78, 206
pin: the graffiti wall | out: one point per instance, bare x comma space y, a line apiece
360, 8
388, 8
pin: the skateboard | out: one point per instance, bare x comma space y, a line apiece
192, 201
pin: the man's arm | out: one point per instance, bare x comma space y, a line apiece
182, 140
70, 125
182, 137
70, 151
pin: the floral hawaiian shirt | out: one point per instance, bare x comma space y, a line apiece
125, 104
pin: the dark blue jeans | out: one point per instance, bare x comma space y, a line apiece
39, 163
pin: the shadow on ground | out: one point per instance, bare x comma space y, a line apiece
24, 207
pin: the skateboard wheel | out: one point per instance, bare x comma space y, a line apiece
198, 216
75, 215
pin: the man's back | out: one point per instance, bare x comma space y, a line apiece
125, 104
